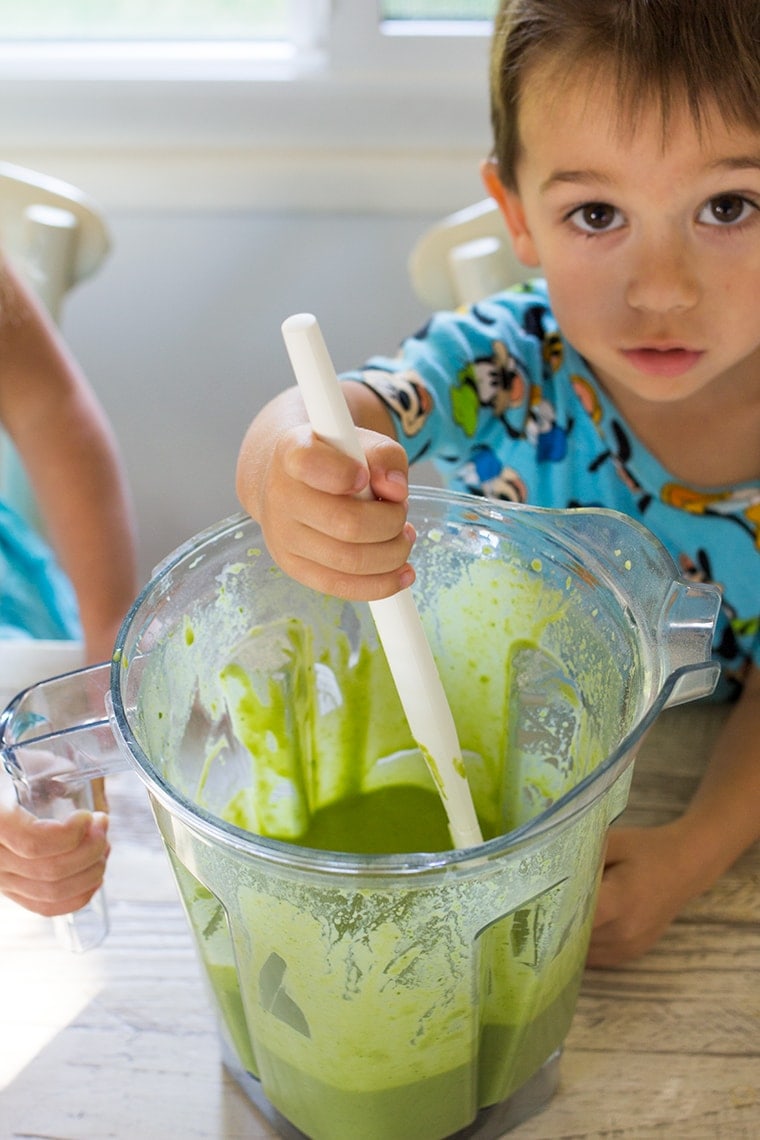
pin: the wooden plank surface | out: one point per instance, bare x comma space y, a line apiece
120, 1043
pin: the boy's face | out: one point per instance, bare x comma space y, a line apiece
650, 243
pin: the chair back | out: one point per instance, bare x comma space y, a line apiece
466, 256
55, 236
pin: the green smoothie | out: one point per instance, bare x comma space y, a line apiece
374, 1000
396, 1012
387, 821
208, 921
419, 1110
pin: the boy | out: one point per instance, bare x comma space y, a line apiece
626, 164
67, 448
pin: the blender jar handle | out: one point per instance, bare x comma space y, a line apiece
55, 738
687, 628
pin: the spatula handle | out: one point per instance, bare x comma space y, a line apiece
397, 619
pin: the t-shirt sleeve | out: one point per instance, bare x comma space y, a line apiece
460, 375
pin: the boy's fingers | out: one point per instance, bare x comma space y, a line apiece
344, 555
30, 838
388, 465
48, 898
344, 520
351, 587
312, 462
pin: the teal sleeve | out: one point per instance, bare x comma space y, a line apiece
36, 598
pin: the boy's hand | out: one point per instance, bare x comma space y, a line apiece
51, 866
316, 528
645, 885
651, 873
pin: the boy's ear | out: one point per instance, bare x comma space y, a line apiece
512, 211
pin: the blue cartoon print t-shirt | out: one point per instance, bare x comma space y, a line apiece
505, 407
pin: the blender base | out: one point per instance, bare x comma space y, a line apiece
491, 1123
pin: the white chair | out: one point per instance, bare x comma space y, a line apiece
465, 257
54, 236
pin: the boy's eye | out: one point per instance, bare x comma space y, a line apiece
725, 210
596, 217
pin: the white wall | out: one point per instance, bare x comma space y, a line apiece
233, 204
179, 334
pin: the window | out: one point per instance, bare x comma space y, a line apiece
126, 37
147, 20
203, 20
438, 9
371, 94
165, 39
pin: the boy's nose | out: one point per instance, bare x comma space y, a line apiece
662, 280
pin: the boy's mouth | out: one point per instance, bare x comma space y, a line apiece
667, 362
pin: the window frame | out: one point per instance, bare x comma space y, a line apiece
113, 61
436, 48
343, 97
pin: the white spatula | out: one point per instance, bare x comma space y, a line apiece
397, 619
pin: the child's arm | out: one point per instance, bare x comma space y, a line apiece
303, 494
651, 873
67, 449
70, 457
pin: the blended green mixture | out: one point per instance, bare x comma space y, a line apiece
375, 1003
388, 821
391, 1016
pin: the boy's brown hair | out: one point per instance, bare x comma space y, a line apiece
705, 51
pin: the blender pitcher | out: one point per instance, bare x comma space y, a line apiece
371, 983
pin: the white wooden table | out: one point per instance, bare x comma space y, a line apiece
120, 1043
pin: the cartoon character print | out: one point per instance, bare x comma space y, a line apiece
484, 475
730, 626
588, 397
405, 394
533, 321
741, 505
552, 345
543, 431
487, 318
620, 456
494, 382
553, 351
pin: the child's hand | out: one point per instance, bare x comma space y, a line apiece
646, 882
651, 873
303, 493
51, 866
321, 533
